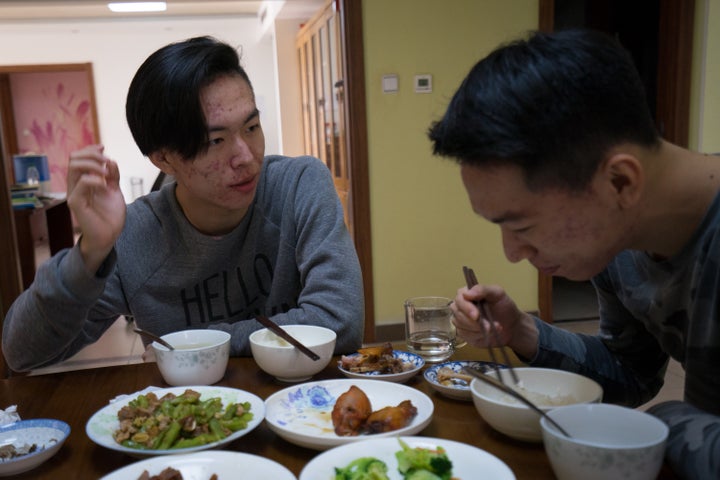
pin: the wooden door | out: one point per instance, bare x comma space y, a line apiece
672, 102
332, 81
323, 93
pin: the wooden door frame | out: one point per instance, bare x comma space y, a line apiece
673, 93
351, 27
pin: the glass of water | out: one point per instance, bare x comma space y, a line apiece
429, 331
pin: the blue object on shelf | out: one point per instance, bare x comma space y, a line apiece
31, 169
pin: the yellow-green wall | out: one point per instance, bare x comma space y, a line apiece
705, 96
423, 229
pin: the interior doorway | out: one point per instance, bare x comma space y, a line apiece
658, 35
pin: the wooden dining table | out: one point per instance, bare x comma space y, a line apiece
74, 396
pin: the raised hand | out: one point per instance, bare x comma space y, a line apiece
95, 199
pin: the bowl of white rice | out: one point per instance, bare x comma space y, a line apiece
546, 388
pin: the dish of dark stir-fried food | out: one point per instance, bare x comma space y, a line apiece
178, 421
168, 474
374, 359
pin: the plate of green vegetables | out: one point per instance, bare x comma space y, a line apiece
406, 458
175, 420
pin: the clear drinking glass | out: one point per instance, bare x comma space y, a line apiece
429, 331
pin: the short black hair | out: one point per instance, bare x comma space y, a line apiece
552, 104
163, 107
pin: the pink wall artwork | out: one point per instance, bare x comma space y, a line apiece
53, 116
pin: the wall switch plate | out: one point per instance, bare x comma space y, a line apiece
390, 83
423, 83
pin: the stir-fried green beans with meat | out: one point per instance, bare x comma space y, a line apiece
178, 421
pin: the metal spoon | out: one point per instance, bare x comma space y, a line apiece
154, 337
510, 391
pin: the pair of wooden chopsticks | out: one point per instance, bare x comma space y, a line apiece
471, 281
282, 333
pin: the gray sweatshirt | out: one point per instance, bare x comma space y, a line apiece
290, 258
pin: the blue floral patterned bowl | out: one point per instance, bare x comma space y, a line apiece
47, 436
200, 357
448, 378
414, 363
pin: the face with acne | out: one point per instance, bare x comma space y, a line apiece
216, 188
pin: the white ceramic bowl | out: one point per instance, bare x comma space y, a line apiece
200, 357
549, 388
48, 436
608, 441
285, 362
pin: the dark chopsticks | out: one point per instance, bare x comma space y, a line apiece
282, 333
471, 281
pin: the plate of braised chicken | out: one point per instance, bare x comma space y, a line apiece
328, 413
381, 363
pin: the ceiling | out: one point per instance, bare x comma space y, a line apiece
29, 10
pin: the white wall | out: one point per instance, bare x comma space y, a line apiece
290, 96
116, 48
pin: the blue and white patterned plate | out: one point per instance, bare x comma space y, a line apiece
459, 390
416, 361
48, 435
301, 414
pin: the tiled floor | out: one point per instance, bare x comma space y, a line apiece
118, 346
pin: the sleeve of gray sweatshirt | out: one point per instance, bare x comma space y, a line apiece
47, 322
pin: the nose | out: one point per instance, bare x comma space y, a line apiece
515, 248
241, 152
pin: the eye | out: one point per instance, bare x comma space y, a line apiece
215, 141
253, 127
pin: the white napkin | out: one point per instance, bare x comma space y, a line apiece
133, 395
9, 416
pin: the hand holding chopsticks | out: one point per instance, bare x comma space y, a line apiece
471, 281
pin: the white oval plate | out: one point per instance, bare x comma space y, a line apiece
457, 391
416, 361
104, 422
301, 414
47, 434
468, 462
201, 465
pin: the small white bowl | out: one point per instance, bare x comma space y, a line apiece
48, 435
608, 441
414, 362
278, 358
200, 357
547, 388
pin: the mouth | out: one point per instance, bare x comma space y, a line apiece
245, 185
551, 270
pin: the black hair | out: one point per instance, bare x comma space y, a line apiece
552, 104
163, 107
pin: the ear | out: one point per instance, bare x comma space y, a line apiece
625, 178
162, 159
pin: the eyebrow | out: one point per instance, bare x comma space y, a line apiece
218, 128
